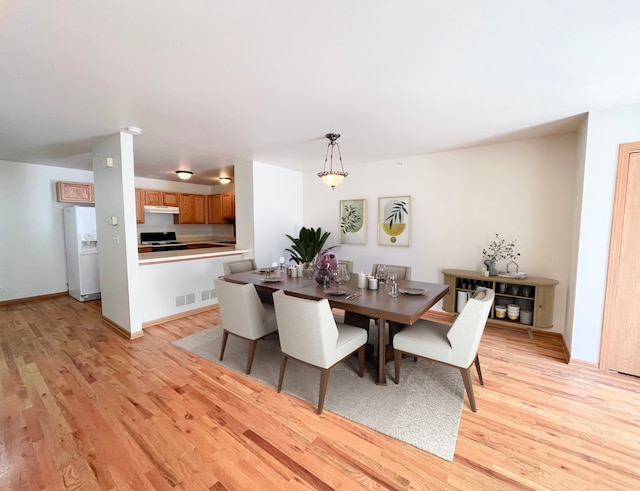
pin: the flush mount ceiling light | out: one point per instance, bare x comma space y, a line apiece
224, 180
184, 174
134, 130
332, 177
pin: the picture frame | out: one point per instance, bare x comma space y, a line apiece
353, 221
394, 214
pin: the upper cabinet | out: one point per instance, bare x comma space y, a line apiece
229, 205
193, 209
139, 205
221, 207
160, 198
75, 192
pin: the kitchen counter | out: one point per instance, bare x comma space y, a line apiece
219, 250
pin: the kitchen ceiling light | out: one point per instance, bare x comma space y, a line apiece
134, 130
184, 174
224, 180
332, 177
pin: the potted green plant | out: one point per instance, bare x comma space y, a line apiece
306, 247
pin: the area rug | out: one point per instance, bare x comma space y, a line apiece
423, 410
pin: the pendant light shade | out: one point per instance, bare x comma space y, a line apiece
332, 177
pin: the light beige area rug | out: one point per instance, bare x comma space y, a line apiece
423, 410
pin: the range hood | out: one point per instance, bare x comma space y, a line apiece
172, 210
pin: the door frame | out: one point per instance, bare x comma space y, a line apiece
615, 246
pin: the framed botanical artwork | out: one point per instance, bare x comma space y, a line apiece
393, 220
353, 226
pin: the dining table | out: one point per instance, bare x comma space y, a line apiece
413, 300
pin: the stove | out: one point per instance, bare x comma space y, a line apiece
161, 241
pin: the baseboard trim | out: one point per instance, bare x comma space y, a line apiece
33, 299
121, 331
173, 317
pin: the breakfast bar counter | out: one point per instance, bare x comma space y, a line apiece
188, 254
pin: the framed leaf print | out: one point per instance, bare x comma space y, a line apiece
393, 220
353, 227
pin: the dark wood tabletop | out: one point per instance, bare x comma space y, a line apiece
403, 309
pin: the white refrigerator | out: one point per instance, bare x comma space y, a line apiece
81, 241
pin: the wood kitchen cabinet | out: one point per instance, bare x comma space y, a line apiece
221, 207
139, 205
193, 209
75, 192
160, 198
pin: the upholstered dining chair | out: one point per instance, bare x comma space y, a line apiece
243, 315
360, 320
239, 266
455, 345
403, 272
309, 334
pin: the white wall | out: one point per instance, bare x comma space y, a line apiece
168, 289
277, 210
32, 250
607, 129
459, 201
117, 242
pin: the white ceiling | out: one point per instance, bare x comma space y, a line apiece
216, 82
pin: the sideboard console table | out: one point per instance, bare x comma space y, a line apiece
533, 293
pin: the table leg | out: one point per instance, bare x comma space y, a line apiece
382, 348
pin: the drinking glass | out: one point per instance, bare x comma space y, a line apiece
392, 280
341, 275
381, 273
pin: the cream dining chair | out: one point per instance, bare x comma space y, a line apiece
243, 315
239, 266
455, 345
363, 321
309, 334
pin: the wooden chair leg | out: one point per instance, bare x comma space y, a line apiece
397, 358
225, 336
253, 344
283, 365
477, 362
466, 378
324, 382
361, 353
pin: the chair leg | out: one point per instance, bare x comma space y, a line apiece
283, 365
361, 353
324, 382
252, 351
225, 336
397, 358
477, 362
466, 378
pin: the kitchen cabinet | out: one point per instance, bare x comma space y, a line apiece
229, 205
533, 293
221, 207
75, 192
139, 205
193, 209
160, 198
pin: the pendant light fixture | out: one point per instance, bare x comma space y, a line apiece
332, 177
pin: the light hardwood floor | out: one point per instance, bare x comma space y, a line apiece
83, 408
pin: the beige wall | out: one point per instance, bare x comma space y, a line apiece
460, 200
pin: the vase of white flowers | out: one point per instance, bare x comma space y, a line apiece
498, 249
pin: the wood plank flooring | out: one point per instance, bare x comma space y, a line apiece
83, 408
